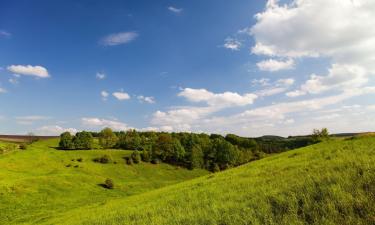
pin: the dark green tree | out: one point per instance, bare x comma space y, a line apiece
66, 141
83, 140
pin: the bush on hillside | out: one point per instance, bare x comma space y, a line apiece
146, 156
23, 146
136, 157
103, 159
66, 141
109, 184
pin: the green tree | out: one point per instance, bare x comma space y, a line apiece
107, 139
320, 135
163, 147
136, 157
196, 157
66, 141
83, 140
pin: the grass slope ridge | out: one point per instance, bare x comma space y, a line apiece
41, 182
327, 183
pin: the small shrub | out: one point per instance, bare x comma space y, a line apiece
23, 146
109, 183
69, 165
104, 159
76, 166
79, 160
136, 157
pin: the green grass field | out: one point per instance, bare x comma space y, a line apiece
36, 184
328, 183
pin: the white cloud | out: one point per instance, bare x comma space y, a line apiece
275, 65
102, 123
119, 38
147, 99
175, 10
5, 34
28, 70
54, 130
342, 77
104, 95
219, 100
121, 95
183, 118
262, 82
2, 90
277, 87
28, 120
342, 33
100, 76
232, 44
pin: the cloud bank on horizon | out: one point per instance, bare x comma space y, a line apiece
312, 65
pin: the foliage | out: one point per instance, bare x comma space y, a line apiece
103, 159
109, 183
66, 141
136, 157
320, 135
83, 140
107, 139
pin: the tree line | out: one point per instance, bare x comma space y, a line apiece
212, 152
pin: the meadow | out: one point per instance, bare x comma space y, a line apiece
332, 182
42, 181
328, 183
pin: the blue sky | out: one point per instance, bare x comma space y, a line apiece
244, 67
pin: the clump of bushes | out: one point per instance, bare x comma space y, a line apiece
136, 157
79, 160
109, 184
23, 146
103, 159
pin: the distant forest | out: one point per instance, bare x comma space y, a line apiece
212, 152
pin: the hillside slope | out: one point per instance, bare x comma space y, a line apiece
327, 183
41, 182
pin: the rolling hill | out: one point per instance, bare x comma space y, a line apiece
328, 183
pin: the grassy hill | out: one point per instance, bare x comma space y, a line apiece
41, 182
327, 183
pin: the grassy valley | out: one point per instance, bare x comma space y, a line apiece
328, 183
42, 181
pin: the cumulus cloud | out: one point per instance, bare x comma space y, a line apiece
2, 90
183, 118
121, 95
294, 30
221, 99
341, 77
272, 65
54, 130
146, 99
94, 122
119, 38
100, 76
29, 70
175, 10
232, 44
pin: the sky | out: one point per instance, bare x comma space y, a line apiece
246, 67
